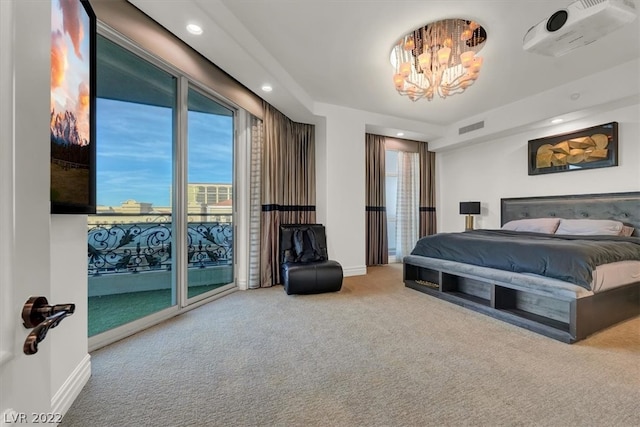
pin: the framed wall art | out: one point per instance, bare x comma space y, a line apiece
73, 124
594, 147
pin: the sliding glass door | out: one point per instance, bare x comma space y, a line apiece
163, 236
130, 240
209, 193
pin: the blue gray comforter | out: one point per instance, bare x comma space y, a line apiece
568, 258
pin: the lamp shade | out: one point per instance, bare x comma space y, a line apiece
470, 208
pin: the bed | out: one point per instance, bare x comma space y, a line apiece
566, 286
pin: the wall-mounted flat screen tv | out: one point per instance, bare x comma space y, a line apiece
73, 126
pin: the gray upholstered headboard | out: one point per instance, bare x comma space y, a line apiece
624, 207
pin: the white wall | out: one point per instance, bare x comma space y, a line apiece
70, 366
321, 171
340, 177
492, 170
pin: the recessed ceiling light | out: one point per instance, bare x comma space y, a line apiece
267, 88
194, 29
400, 134
556, 121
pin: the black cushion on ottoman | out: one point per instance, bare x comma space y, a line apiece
312, 278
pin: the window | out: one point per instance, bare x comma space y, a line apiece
402, 195
391, 196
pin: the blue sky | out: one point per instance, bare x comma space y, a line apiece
134, 153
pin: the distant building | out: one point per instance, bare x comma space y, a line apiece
209, 194
205, 203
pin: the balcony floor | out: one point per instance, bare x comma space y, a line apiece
110, 311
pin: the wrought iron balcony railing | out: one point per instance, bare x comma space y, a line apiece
144, 243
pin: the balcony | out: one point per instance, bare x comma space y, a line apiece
130, 264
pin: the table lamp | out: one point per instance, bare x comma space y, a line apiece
469, 209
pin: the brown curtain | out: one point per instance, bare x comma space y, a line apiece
427, 190
377, 244
288, 182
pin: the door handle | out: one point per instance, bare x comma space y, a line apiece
37, 309
39, 315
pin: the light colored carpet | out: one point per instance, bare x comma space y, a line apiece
374, 354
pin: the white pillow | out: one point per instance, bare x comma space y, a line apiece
589, 227
533, 225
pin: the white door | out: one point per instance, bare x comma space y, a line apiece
25, 381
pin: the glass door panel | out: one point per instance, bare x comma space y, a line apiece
209, 194
130, 239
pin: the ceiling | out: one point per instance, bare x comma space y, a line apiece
336, 52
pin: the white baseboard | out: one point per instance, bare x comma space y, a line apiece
64, 397
243, 285
354, 271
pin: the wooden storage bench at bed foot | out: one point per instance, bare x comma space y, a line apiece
566, 320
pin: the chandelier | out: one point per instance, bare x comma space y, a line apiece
439, 57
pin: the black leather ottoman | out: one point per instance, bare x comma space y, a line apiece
312, 278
